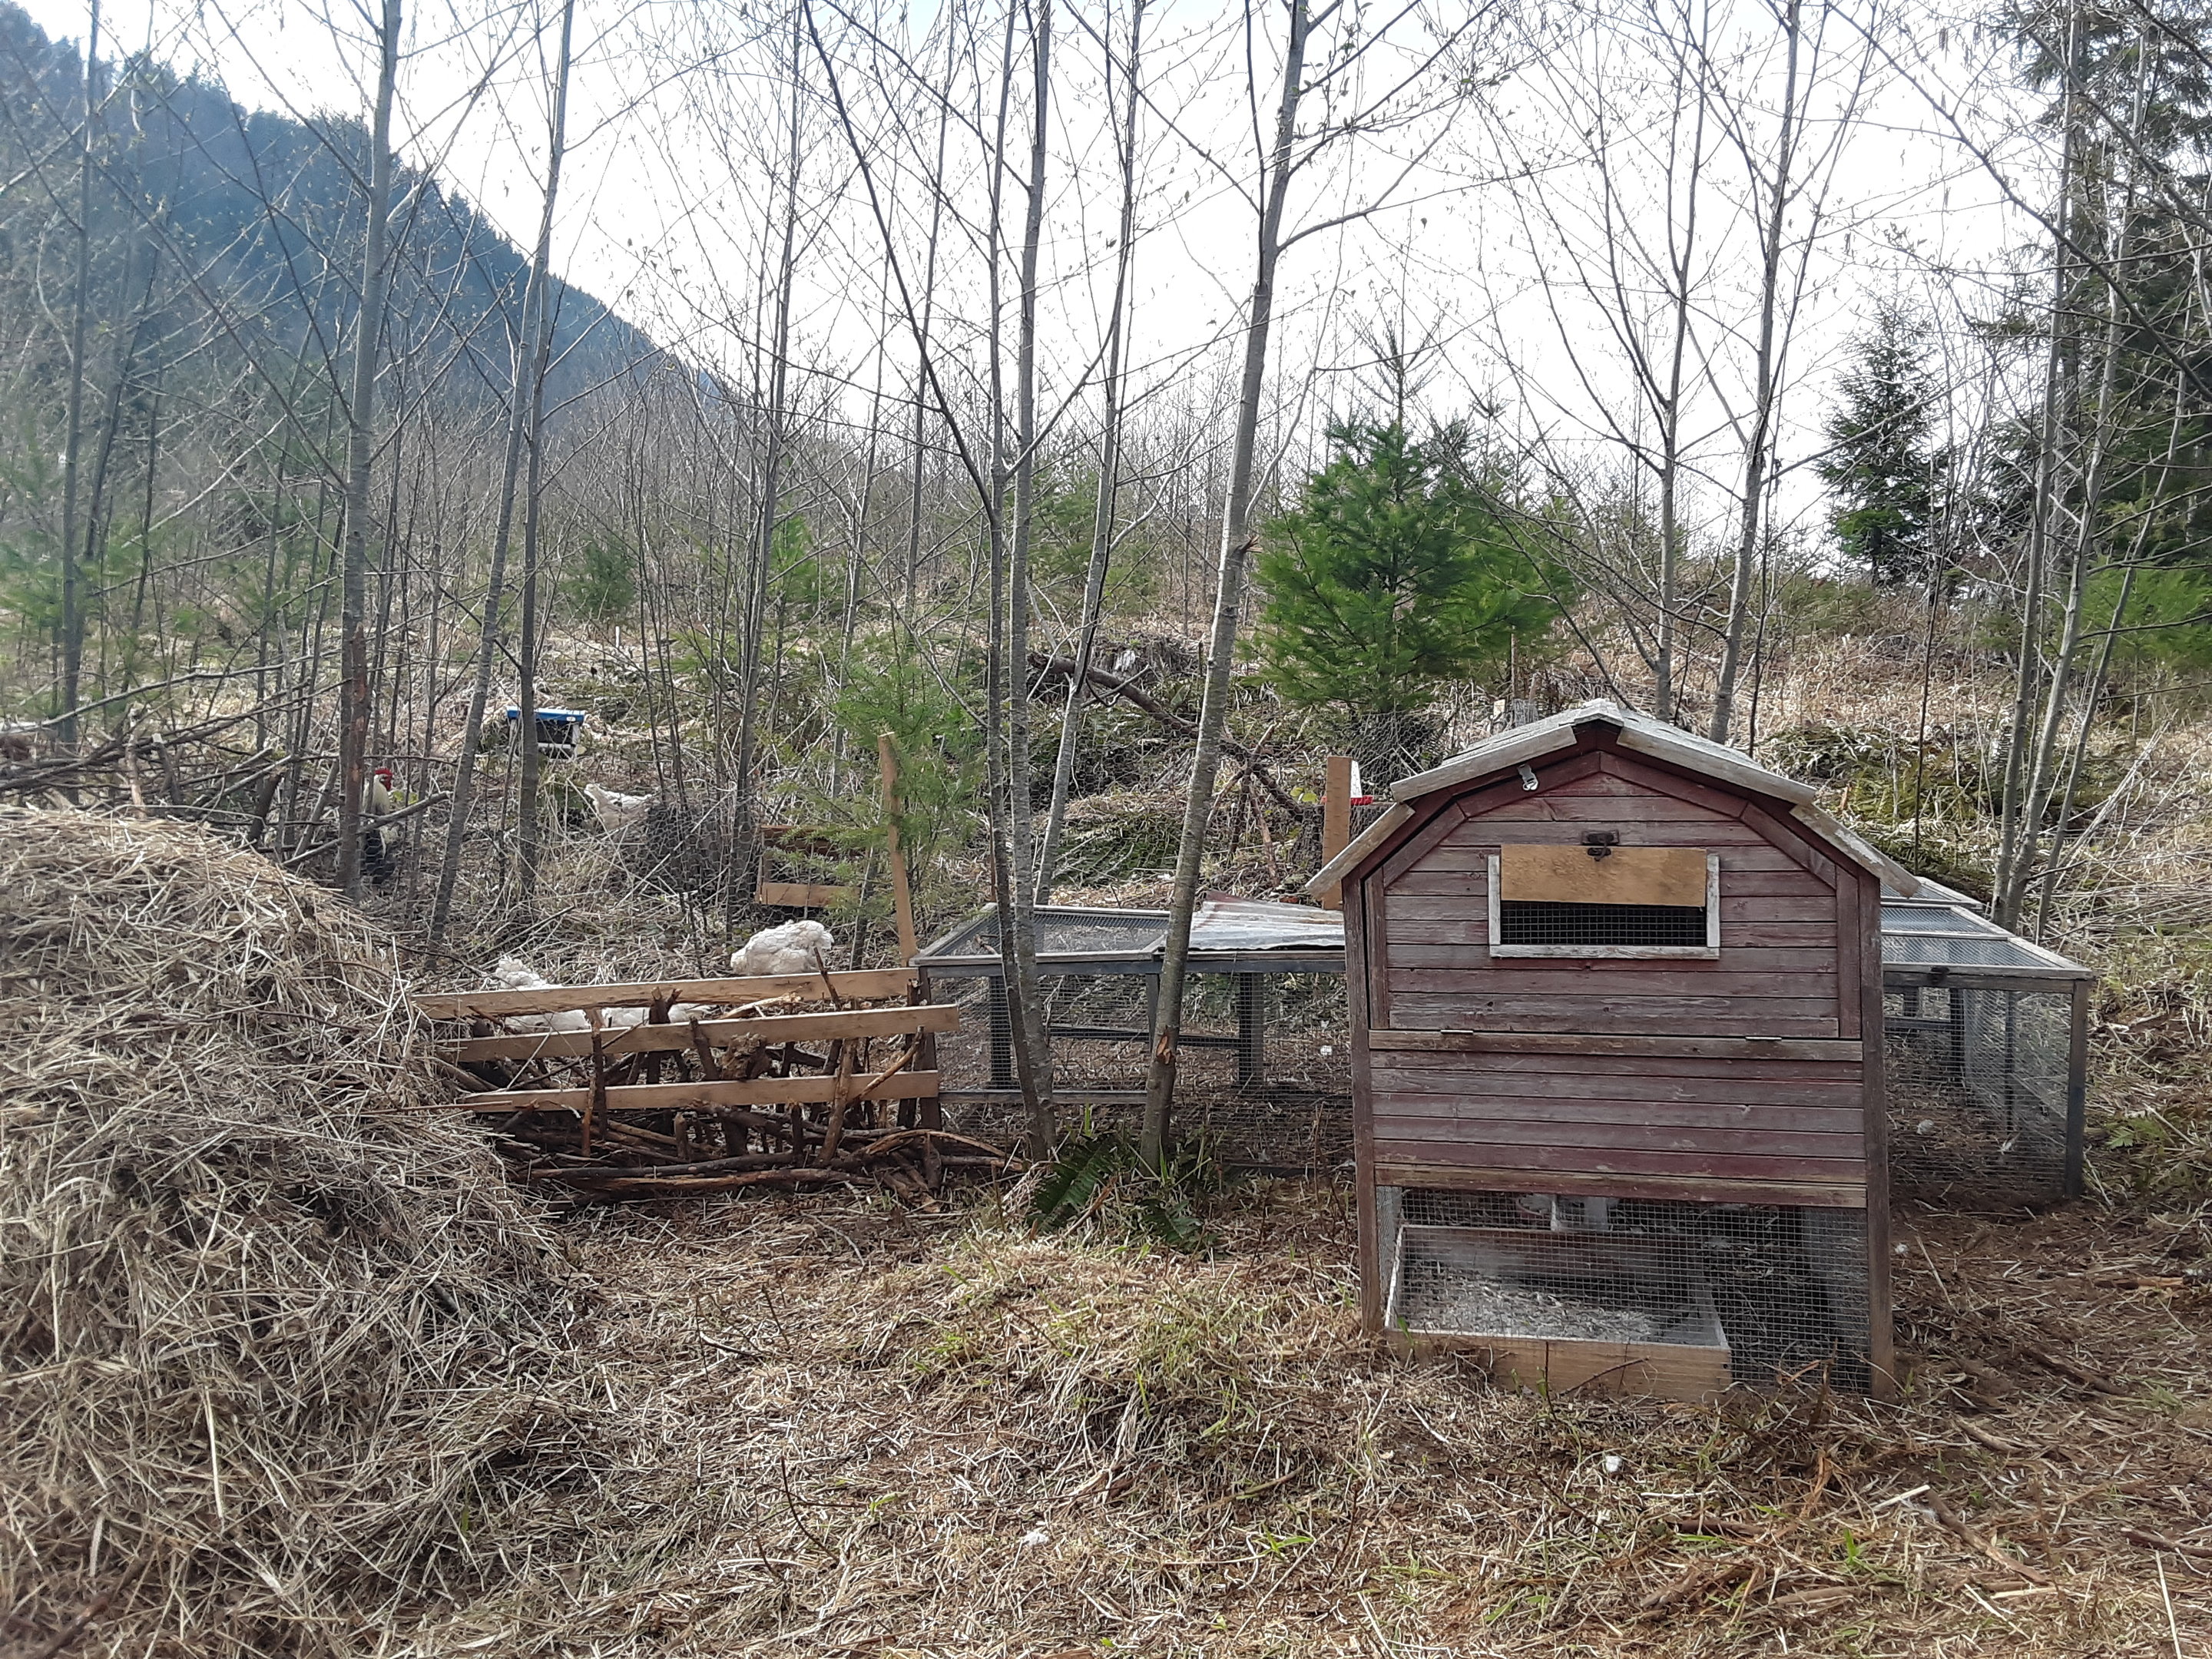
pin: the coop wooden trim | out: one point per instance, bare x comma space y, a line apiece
751, 1091
1580, 1042
716, 1033
864, 985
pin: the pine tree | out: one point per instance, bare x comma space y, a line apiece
1396, 573
1884, 469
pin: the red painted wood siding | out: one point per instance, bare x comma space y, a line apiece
1790, 964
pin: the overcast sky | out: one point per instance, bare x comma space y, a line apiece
1502, 243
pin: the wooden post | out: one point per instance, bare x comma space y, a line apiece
1335, 822
901, 897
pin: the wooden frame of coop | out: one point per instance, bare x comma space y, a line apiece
1616, 1007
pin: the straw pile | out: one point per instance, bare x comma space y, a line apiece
264, 1340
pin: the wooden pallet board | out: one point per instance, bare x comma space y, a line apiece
676, 1096
864, 985
851, 1024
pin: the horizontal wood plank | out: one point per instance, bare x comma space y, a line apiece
849, 1023
1567, 874
1534, 1163
1490, 1093
1703, 1187
866, 985
1655, 1016
1630, 1370
1813, 1135
1748, 971
668, 1096
1674, 1045
800, 895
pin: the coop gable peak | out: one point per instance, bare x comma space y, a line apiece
1522, 745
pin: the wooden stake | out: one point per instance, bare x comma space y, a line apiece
901, 897
1335, 822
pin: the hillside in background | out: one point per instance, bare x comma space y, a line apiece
234, 234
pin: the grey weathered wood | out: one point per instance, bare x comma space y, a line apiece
1536, 1162
866, 985
715, 1033
1699, 1188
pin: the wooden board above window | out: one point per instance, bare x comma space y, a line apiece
1626, 875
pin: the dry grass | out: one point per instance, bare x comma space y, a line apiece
264, 1329
849, 1430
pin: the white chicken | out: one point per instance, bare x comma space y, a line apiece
514, 974
616, 811
794, 947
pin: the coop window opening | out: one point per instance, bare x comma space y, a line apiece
1605, 900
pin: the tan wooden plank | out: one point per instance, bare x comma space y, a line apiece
1653, 1370
717, 1033
866, 985
1626, 875
801, 895
663, 1097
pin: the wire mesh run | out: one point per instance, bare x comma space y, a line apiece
1985, 1090
1546, 921
1701, 1295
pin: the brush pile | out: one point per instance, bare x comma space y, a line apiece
686, 1088
268, 1330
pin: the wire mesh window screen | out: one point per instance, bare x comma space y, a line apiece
1980, 1082
1544, 921
1778, 1292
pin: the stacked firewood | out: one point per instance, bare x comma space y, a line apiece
788, 1079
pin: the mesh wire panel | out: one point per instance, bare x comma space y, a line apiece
1063, 932
1979, 1083
1779, 1292
1545, 921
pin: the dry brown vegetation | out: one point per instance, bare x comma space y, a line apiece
856, 1429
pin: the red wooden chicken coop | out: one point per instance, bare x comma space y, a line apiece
1616, 1002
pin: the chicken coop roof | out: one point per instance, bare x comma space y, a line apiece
1523, 744
1227, 935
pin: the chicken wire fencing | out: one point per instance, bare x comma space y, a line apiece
1239, 1031
1984, 1057
1712, 1293
1985, 1088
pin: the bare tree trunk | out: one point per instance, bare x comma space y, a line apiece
1036, 1088
1236, 549
527, 816
1759, 445
360, 426
2017, 810
1110, 476
72, 617
744, 829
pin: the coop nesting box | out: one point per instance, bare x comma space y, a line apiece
1616, 999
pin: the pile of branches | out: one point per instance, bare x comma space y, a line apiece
684, 1103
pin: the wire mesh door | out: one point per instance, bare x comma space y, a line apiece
1984, 1092
1721, 1293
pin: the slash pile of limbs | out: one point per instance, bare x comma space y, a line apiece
787, 1080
